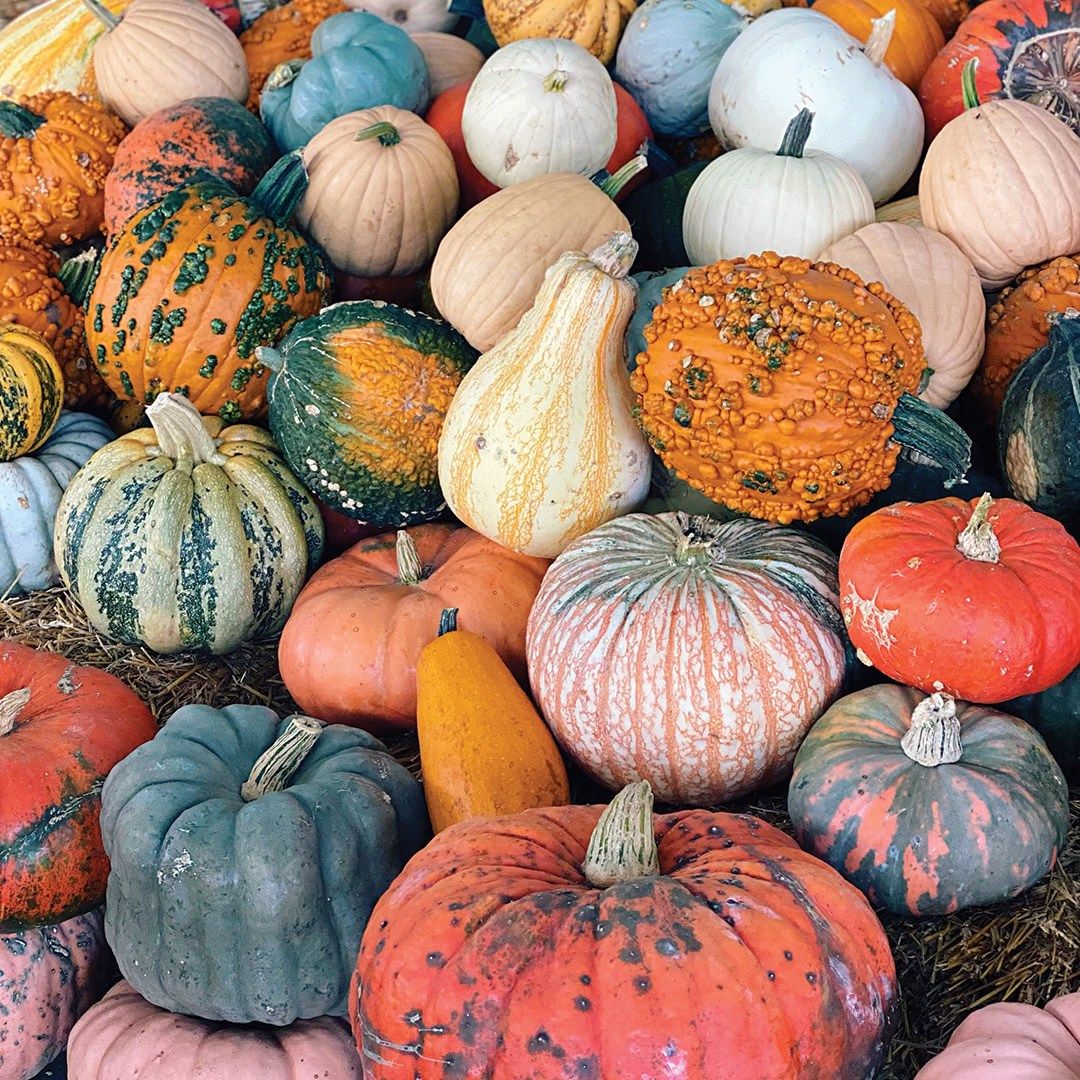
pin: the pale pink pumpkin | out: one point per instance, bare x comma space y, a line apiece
688, 652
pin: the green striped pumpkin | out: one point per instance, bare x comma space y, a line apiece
187, 535
31, 391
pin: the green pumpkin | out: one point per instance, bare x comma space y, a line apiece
1055, 715
651, 286
357, 401
655, 213
247, 853
188, 534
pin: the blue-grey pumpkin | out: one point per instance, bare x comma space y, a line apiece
651, 287
247, 853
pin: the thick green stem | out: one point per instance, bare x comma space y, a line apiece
798, 131
18, 122
11, 705
968, 89
448, 621
78, 275
622, 846
181, 433
978, 540
926, 430
619, 179
410, 566
615, 255
279, 192
277, 765
384, 131
100, 11
934, 736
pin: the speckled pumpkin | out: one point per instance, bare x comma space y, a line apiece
191, 286
31, 391
594, 24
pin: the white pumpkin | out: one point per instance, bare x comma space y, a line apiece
539, 106
794, 59
792, 202
409, 15
450, 60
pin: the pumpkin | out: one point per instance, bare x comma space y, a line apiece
358, 62
650, 595
978, 599
350, 648
31, 391
55, 150
298, 829
1037, 430
450, 60
667, 57
49, 977
183, 254
1054, 714
655, 212
595, 25
863, 114
30, 490
62, 728
536, 926
161, 52
187, 534
796, 201
124, 1035
411, 15
935, 280
1028, 50
902, 211
926, 804
998, 181
358, 399
166, 149
382, 192
651, 288
774, 415
539, 445
539, 107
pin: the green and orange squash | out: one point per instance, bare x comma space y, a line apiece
31, 391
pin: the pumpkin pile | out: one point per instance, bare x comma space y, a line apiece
615, 402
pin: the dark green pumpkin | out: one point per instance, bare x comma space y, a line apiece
1055, 715
357, 402
655, 213
247, 903
651, 286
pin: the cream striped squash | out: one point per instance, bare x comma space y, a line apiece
187, 535
539, 444
688, 652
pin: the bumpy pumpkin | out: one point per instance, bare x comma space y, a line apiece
350, 648
650, 595
187, 534
300, 828
193, 284
927, 804
594, 24
979, 599
537, 926
357, 403
783, 389
62, 728
31, 391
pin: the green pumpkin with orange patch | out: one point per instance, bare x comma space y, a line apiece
357, 400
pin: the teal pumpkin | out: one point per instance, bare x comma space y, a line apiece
30, 492
1055, 715
667, 57
247, 853
358, 61
651, 286
357, 400
655, 213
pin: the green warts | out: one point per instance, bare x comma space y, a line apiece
126, 383
164, 325
230, 412
17, 122
217, 326
194, 268
132, 280
208, 367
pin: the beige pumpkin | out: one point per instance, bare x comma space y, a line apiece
930, 275
382, 191
539, 445
160, 52
905, 211
450, 60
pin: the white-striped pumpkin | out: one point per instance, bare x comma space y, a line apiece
688, 652
539, 444
188, 535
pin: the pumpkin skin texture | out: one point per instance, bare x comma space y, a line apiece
62, 728
595, 25
380, 380
927, 839
187, 535
350, 648
979, 599
648, 592
1054, 715
31, 391
450, 60
292, 866
49, 977
526, 944
166, 149
30, 491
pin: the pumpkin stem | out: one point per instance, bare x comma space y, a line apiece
978, 540
279, 762
923, 429
697, 545
101, 12
798, 131
615, 255
621, 177
410, 567
11, 705
78, 275
622, 846
969, 91
269, 357
555, 81
448, 621
279, 192
283, 74
18, 122
881, 35
384, 131
181, 433
934, 736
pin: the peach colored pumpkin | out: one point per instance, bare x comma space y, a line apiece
935, 279
450, 60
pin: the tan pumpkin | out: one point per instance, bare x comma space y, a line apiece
450, 59
930, 275
596, 25
905, 211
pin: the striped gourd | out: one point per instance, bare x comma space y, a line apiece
31, 391
187, 535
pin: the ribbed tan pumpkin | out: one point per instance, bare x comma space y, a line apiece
382, 191
450, 60
929, 274
906, 211
539, 445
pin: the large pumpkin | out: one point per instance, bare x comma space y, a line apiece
730, 632
247, 853
62, 728
594, 24
31, 391
187, 534
710, 941
927, 804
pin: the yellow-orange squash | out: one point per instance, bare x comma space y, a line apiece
31, 391
596, 25
484, 750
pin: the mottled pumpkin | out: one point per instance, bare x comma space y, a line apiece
31, 391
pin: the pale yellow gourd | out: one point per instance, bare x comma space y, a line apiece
539, 445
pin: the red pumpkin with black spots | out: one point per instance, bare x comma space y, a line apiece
62, 728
